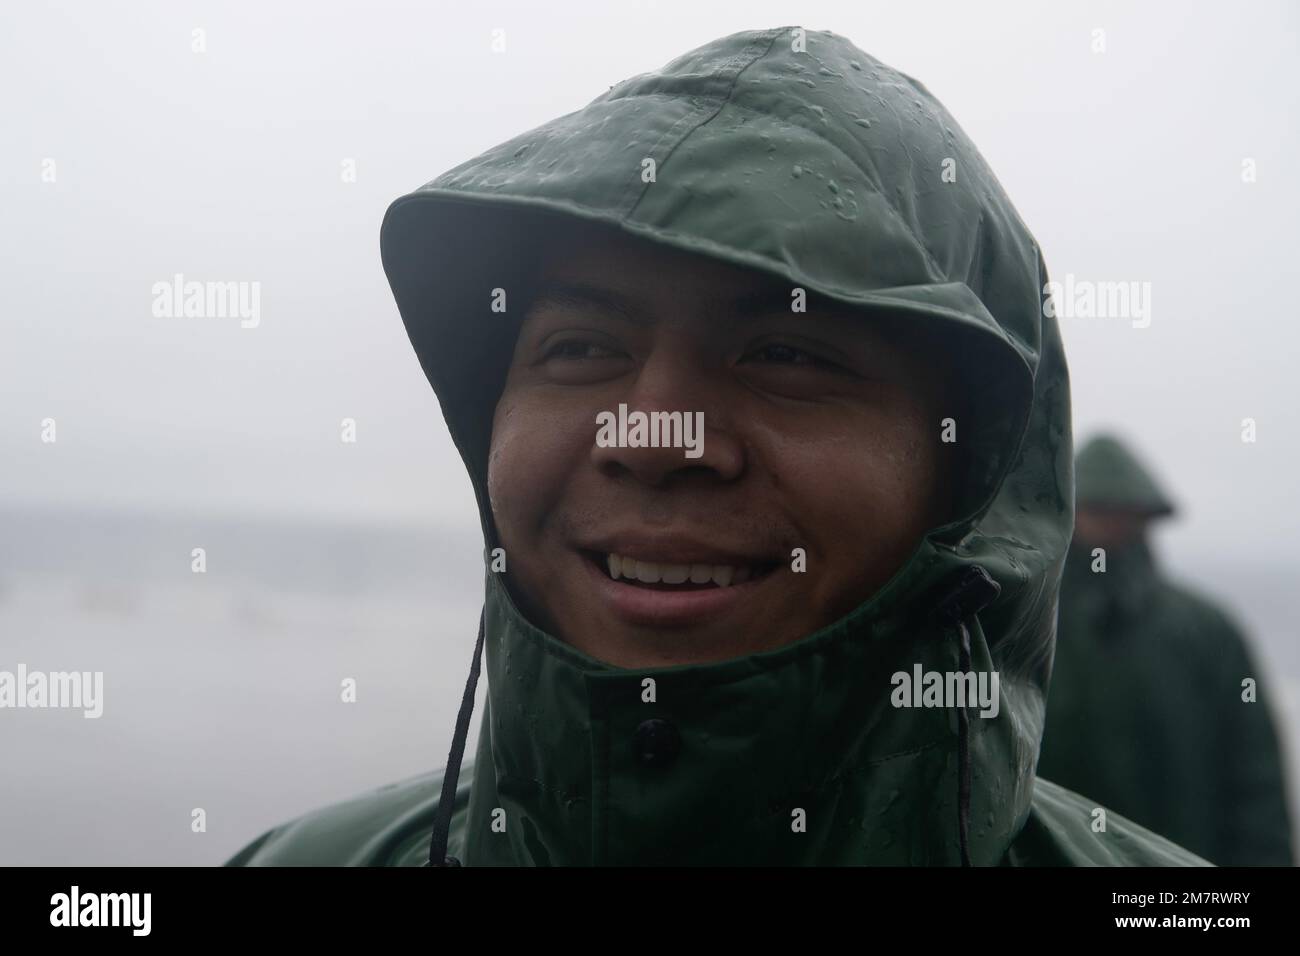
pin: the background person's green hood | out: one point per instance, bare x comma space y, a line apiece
833, 171
1108, 475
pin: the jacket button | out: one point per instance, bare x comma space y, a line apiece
657, 743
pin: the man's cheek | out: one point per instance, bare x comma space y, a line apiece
508, 495
855, 516
534, 464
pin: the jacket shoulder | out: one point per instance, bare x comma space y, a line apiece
1201, 613
390, 826
1059, 832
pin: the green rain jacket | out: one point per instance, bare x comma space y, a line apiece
1146, 713
804, 158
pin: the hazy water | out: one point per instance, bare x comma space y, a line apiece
222, 690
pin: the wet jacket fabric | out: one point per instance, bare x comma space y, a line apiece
813, 162
1146, 711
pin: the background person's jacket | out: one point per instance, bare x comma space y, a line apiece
828, 169
1146, 713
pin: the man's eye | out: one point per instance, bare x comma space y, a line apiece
578, 349
780, 354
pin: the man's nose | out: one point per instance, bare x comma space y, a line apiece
698, 439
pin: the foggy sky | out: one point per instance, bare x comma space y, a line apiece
225, 165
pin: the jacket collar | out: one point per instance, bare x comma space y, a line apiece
577, 766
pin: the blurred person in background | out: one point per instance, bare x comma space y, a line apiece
1156, 707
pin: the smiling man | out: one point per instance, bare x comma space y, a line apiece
780, 650
645, 557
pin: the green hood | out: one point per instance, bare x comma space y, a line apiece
1108, 475
825, 168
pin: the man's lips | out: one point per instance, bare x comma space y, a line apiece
673, 583
662, 548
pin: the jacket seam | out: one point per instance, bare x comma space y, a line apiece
735, 80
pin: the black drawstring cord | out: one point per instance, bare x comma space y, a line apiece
963, 755
974, 590
442, 816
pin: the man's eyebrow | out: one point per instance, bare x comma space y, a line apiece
582, 295
767, 299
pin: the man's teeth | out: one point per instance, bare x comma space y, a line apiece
655, 572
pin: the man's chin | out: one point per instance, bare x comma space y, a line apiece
636, 648
627, 625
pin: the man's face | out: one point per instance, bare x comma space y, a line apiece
820, 434
1109, 527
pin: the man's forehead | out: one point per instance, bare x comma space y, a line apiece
645, 303
634, 278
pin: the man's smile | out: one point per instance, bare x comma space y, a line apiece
649, 593
669, 574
